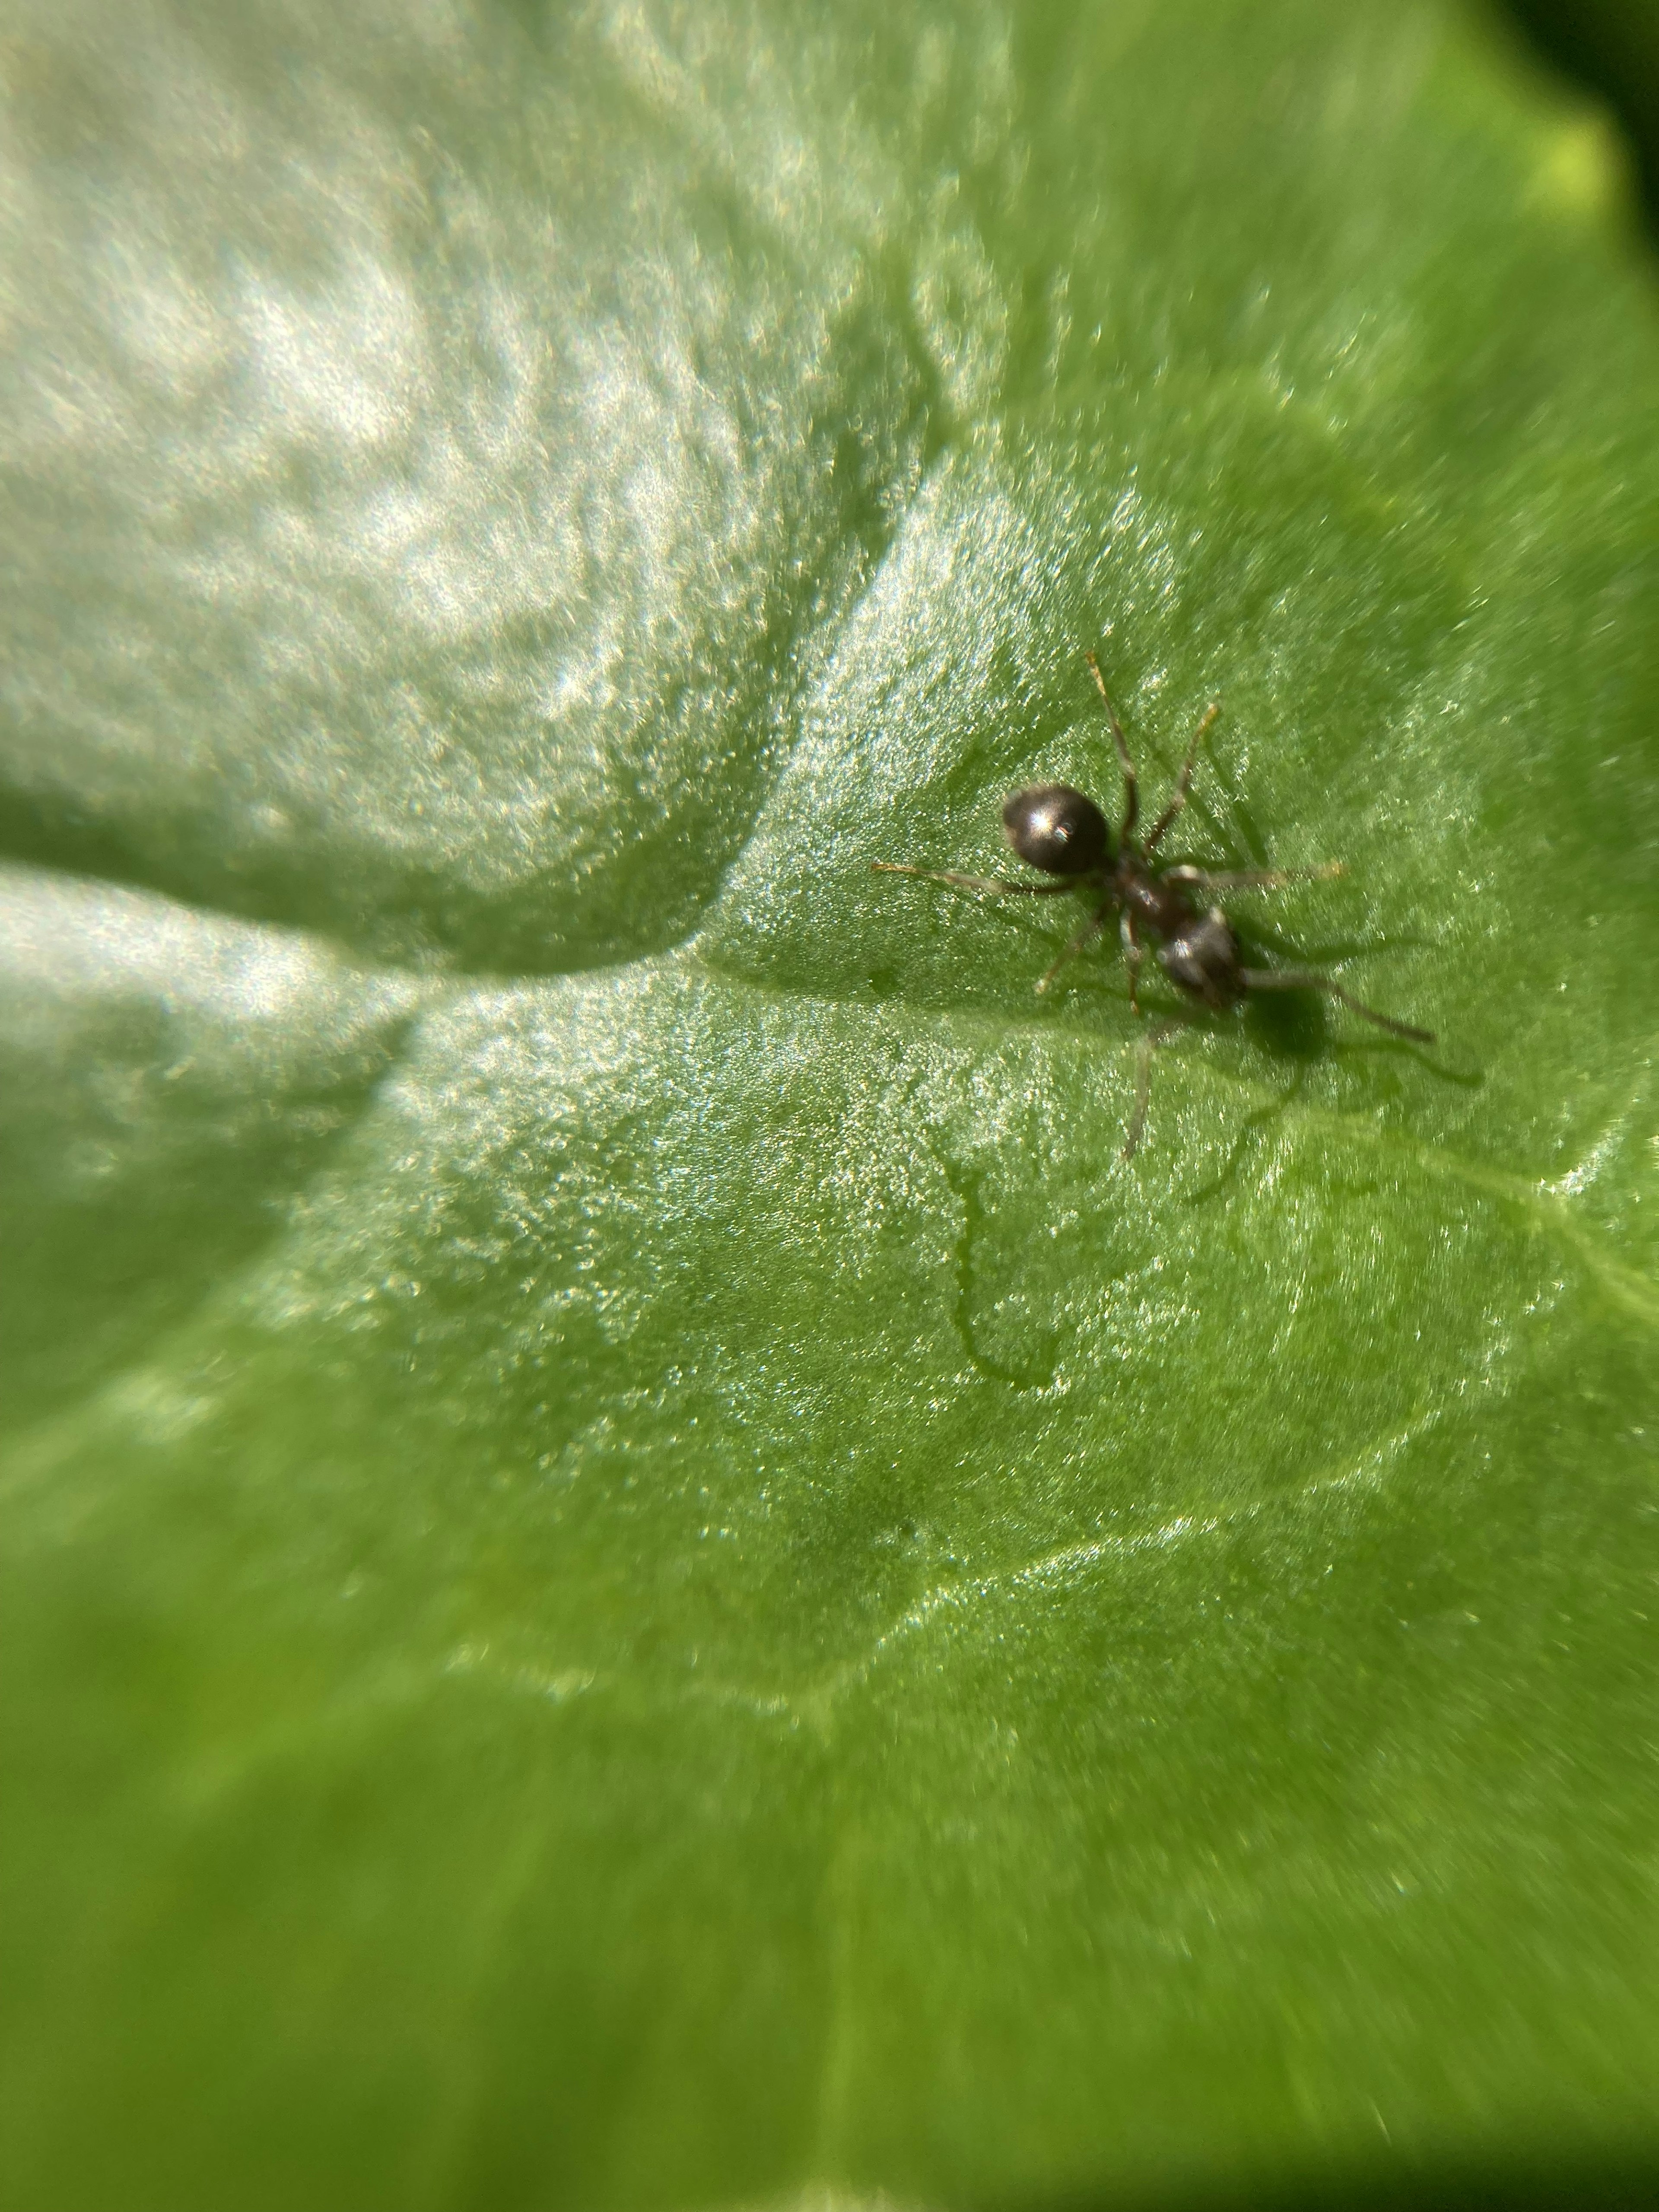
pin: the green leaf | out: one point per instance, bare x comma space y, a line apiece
638, 1570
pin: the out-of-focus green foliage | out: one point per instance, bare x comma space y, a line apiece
638, 1572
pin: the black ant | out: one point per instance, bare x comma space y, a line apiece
1060, 830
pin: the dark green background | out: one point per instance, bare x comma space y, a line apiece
638, 1570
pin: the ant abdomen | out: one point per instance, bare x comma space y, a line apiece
1057, 829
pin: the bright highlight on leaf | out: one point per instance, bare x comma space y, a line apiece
638, 1570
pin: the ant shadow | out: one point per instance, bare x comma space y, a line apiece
1303, 1025
1295, 1029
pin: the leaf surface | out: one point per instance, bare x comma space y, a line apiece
640, 1569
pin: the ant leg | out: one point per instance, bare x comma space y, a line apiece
989, 883
1131, 789
1131, 954
1184, 780
1304, 979
1254, 879
1090, 930
1149, 1044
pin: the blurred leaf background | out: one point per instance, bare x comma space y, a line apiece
638, 1570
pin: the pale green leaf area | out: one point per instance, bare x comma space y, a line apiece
639, 1571
168, 1078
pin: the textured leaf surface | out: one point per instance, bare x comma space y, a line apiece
639, 1571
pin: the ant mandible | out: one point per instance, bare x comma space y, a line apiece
1060, 830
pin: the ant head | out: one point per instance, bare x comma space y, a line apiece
1057, 829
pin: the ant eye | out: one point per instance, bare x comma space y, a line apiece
1056, 828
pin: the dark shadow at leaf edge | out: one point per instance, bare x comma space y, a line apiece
1610, 51
1593, 2181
